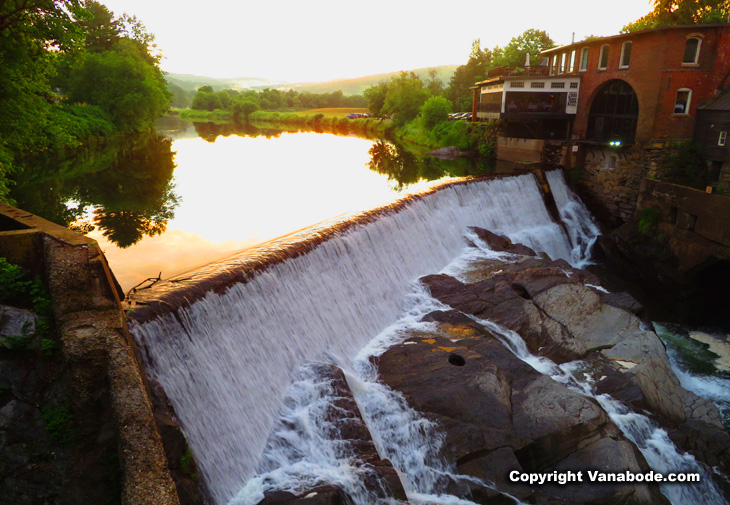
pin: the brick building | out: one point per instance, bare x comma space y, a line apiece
634, 87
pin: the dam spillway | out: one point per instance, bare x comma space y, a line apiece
226, 343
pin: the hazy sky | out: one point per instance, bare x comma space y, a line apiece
319, 40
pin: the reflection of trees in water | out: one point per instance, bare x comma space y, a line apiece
129, 182
211, 131
405, 167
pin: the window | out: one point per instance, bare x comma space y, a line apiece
561, 69
625, 55
574, 85
537, 84
557, 85
681, 104
603, 58
517, 84
583, 59
572, 62
692, 51
722, 139
554, 65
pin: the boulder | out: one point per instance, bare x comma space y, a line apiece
496, 412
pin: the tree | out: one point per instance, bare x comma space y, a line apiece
123, 83
435, 110
681, 12
531, 42
375, 96
32, 34
404, 96
466, 75
244, 107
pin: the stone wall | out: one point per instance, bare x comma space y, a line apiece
608, 178
99, 378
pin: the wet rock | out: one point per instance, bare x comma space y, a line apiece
497, 413
320, 495
501, 243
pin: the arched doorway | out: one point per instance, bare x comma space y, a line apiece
614, 113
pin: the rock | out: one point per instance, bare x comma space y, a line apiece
501, 243
446, 153
497, 413
320, 495
15, 323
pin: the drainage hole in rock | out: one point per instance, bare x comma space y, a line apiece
456, 360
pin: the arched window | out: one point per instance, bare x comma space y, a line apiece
583, 59
681, 103
625, 54
603, 58
614, 113
692, 51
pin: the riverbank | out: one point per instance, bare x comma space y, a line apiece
480, 139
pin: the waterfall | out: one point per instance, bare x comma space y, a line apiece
581, 226
226, 359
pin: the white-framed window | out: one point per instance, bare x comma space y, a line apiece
723, 138
682, 101
554, 66
625, 54
517, 84
603, 57
692, 51
583, 59
561, 68
571, 69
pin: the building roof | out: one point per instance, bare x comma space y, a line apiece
720, 102
630, 35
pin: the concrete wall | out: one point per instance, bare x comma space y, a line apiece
98, 352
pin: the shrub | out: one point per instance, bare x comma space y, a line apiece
435, 110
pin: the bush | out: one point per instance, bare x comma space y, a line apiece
649, 217
435, 110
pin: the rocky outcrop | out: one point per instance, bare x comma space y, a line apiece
499, 414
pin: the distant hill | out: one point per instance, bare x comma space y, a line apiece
348, 86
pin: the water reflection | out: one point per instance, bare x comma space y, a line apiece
127, 182
234, 186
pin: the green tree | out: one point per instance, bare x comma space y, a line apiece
123, 83
681, 12
32, 35
531, 42
404, 97
435, 110
466, 75
375, 95
244, 107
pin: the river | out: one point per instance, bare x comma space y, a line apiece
161, 203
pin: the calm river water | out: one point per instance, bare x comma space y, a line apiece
169, 201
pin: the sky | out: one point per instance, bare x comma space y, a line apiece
321, 40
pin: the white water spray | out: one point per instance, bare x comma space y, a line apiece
581, 226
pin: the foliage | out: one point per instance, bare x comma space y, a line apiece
60, 423
244, 107
401, 97
44, 44
123, 83
681, 12
515, 53
466, 75
435, 110
649, 218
